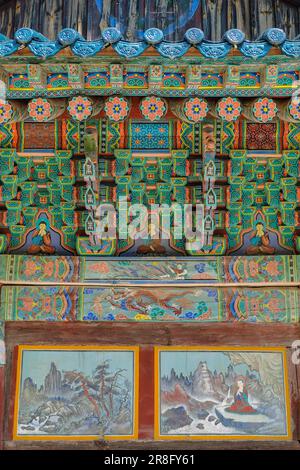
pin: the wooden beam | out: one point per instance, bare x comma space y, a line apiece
164, 334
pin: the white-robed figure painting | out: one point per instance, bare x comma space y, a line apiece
215, 393
74, 392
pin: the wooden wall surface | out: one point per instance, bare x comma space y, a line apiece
133, 17
146, 338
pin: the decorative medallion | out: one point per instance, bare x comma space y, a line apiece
68, 36
153, 35
275, 36
265, 109
234, 36
229, 109
153, 108
111, 35
24, 35
116, 108
294, 108
80, 108
39, 109
195, 109
194, 35
6, 111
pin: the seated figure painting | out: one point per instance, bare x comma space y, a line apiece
41, 240
241, 398
260, 241
211, 393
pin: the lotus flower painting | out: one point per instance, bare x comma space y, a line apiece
214, 393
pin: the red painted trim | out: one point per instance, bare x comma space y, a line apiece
2, 400
146, 393
12, 395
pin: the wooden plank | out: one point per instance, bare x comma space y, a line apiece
297, 384
294, 395
93, 21
7, 19
2, 396
146, 394
10, 381
152, 445
75, 15
106, 9
222, 334
50, 18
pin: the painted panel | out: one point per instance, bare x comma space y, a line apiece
221, 393
150, 135
45, 269
150, 303
49, 303
158, 270
210, 269
206, 269
76, 392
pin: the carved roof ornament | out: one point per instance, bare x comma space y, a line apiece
111, 35
41, 46
234, 37
194, 36
153, 36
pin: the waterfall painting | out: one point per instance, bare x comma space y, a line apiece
76, 392
221, 393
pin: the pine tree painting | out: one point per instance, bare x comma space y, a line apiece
93, 397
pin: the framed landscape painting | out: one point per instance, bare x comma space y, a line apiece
221, 393
76, 392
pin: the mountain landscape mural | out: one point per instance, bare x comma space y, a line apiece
221, 393
78, 393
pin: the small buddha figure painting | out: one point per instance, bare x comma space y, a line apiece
222, 393
41, 240
260, 241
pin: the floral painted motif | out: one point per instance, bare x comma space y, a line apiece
229, 109
5, 112
40, 109
265, 109
80, 108
156, 70
195, 109
116, 70
116, 108
294, 108
153, 108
